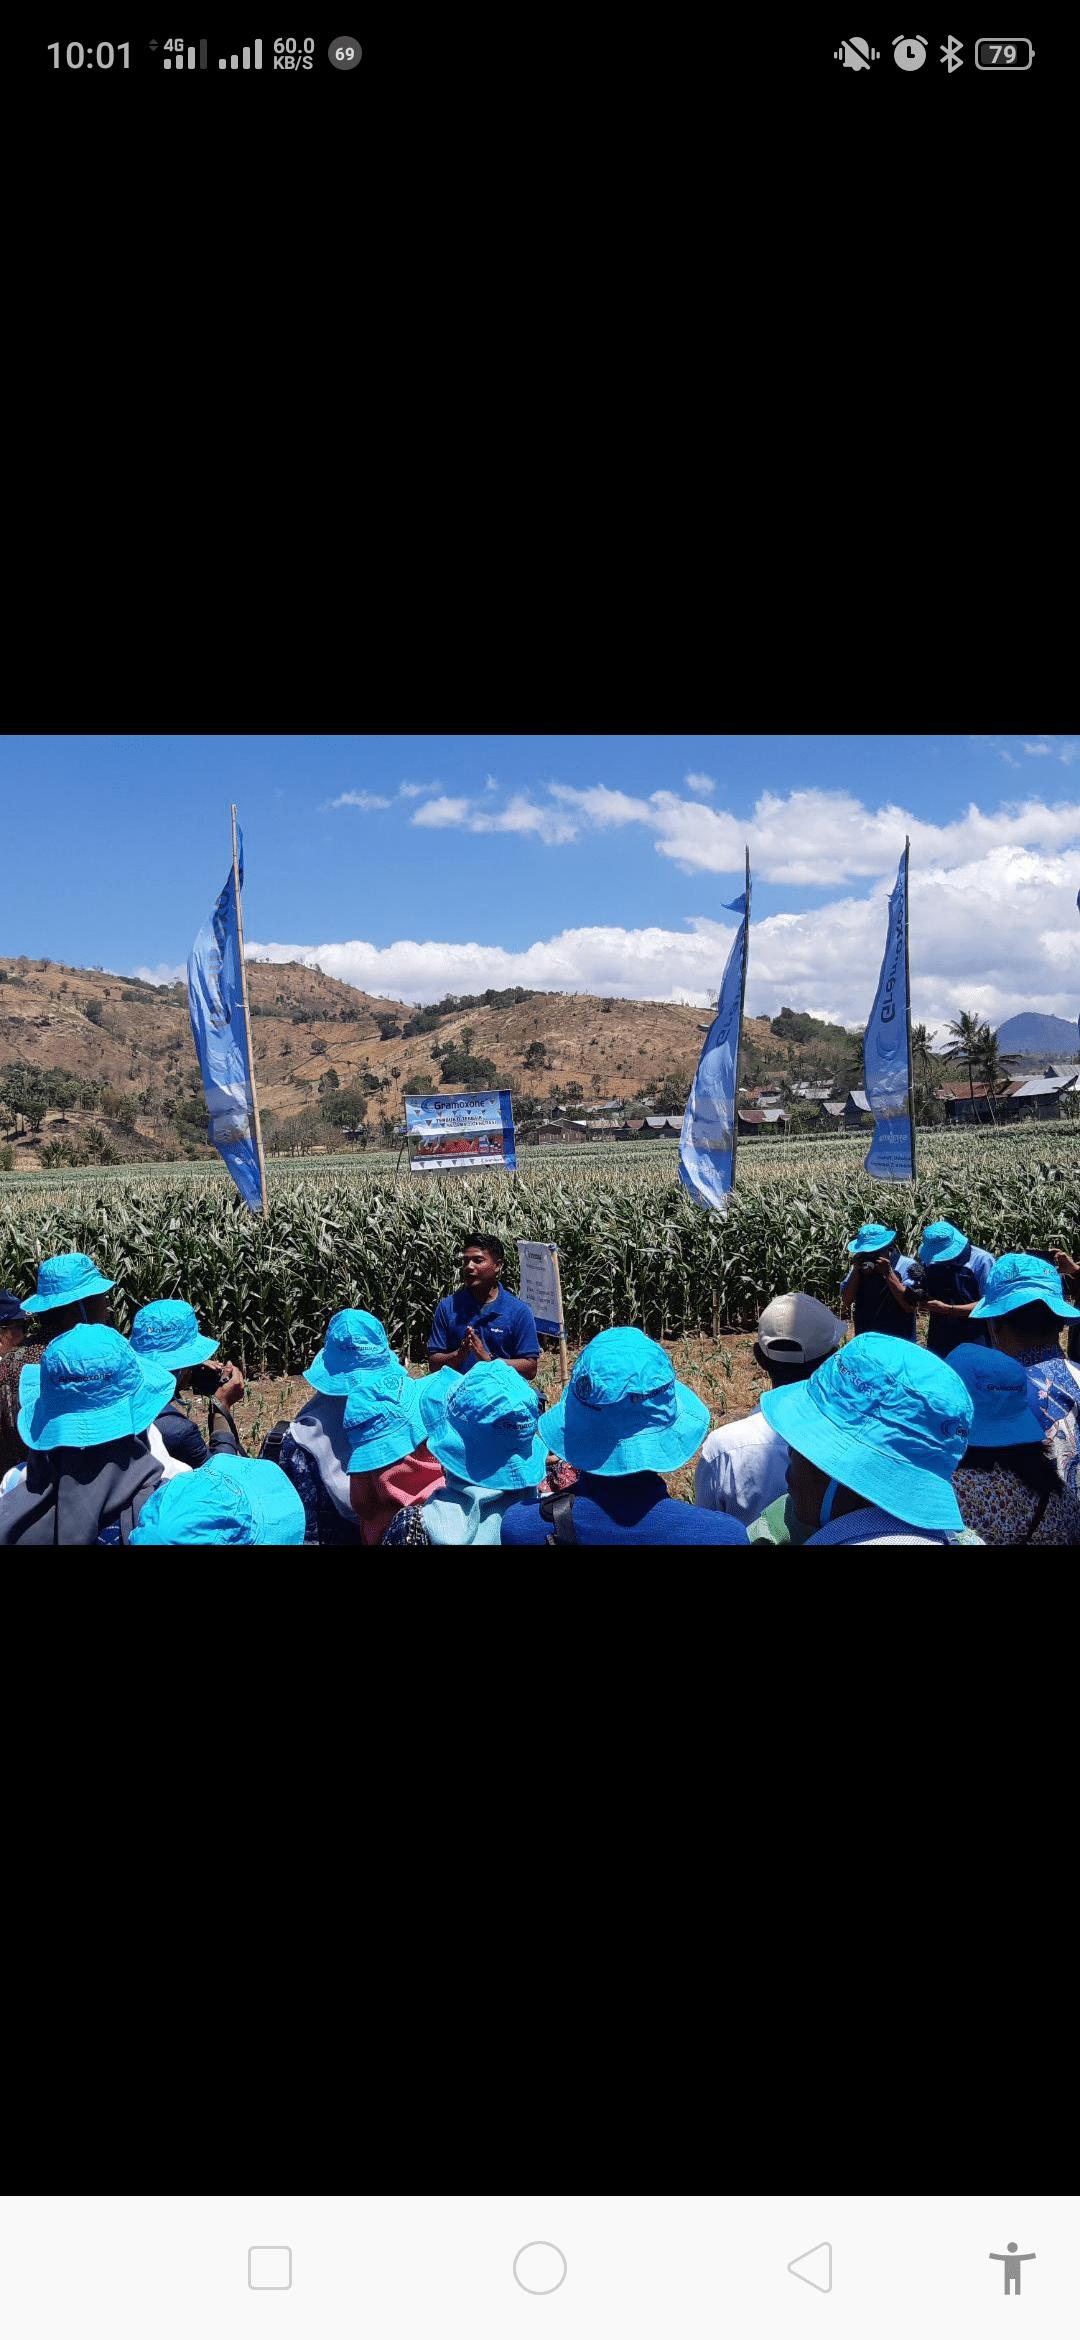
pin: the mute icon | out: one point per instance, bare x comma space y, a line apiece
858, 54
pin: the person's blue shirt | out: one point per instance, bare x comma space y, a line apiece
632, 1509
505, 1325
980, 1262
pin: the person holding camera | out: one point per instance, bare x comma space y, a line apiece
879, 1287
166, 1333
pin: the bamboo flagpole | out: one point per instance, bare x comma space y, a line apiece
247, 1026
738, 1033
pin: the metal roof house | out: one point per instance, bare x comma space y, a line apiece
756, 1121
1041, 1099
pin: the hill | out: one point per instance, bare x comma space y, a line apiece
321, 1046
1031, 1035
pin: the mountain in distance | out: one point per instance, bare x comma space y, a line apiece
1031, 1035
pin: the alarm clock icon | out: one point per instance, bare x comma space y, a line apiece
909, 51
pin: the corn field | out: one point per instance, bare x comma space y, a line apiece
633, 1247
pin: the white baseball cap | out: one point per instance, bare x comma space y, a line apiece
795, 1330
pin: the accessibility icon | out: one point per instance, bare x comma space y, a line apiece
821, 2278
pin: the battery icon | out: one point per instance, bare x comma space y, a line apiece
1004, 56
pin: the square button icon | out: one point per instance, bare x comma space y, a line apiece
269, 2268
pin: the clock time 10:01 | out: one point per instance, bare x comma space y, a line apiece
105, 53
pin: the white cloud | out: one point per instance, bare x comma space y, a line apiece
700, 783
1006, 758
1039, 749
520, 817
815, 836
996, 933
360, 798
443, 812
418, 788
1069, 753
161, 973
490, 783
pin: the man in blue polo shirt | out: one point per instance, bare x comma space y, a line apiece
482, 1321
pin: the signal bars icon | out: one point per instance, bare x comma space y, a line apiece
858, 54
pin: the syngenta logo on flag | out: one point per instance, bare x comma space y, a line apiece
888, 1005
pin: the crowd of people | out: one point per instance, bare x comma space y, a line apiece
867, 1439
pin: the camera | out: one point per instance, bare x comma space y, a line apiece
205, 1379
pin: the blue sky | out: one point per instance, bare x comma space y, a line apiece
417, 865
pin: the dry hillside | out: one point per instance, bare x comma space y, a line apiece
137, 1038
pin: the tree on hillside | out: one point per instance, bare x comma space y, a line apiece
964, 1046
853, 1062
534, 1055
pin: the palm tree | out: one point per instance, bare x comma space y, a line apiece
964, 1047
925, 1067
990, 1063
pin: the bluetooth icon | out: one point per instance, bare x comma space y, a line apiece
951, 56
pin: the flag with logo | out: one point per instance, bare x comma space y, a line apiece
887, 1048
219, 1029
707, 1142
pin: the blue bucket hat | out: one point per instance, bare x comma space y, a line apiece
231, 1499
70, 1276
884, 1418
89, 1387
11, 1309
354, 1343
1018, 1278
166, 1332
434, 1392
623, 1409
383, 1423
487, 1429
872, 1238
998, 1388
942, 1241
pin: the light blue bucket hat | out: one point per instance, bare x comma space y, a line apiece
382, 1423
884, 1418
942, 1241
872, 1238
998, 1388
232, 1499
89, 1387
487, 1428
354, 1343
624, 1410
166, 1332
1014, 1281
70, 1276
434, 1391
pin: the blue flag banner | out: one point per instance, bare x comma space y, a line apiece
219, 1029
707, 1142
887, 1050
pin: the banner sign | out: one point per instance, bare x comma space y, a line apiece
707, 1142
540, 1286
219, 1030
887, 1049
461, 1133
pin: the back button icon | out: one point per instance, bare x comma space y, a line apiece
814, 2266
